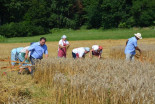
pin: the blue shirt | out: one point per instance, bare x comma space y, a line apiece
16, 50
37, 50
130, 47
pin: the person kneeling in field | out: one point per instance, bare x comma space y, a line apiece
18, 54
22, 58
96, 51
14, 55
80, 52
131, 47
63, 46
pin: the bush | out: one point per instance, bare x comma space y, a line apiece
20, 29
2, 38
122, 25
57, 30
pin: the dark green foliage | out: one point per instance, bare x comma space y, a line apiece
20, 29
34, 17
2, 39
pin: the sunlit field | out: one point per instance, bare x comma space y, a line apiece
110, 80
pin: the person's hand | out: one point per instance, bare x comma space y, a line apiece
90, 56
99, 57
46, 56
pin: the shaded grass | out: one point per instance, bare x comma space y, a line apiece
92, 34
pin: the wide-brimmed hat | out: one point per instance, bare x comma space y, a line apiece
64, 37
138, 35
87, 49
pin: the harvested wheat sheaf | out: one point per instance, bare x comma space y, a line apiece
98, 81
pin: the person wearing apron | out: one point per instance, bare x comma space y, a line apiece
63, 46
96, 51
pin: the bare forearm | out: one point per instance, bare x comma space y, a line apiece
46, 55
60, 46
137, 48
99, 56
26, 54
90, 53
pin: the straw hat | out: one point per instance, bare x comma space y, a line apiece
138, 35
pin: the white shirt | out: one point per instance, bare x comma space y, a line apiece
62, 42
80, 51
24, 50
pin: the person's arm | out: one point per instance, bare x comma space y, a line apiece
46, 52
90, 53
137, 48
32, 47
100, 54
26, 54
46, 55
67, 46
60, 46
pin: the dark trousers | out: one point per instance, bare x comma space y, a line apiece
33, 61
73, 55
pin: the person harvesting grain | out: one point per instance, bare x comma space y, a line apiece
80, 52
63, 46
14, 54
18, 54
131, 47
96, 51
22, 59
37, 50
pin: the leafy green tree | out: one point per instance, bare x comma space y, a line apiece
38, 13
63, 14
143, 12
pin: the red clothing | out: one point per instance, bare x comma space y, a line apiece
77, 55
62, 51
96, 53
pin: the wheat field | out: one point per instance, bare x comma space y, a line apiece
90, 81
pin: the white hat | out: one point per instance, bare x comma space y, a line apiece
87, 49
64, 37
138, 35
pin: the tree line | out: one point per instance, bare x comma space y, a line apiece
35, 17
